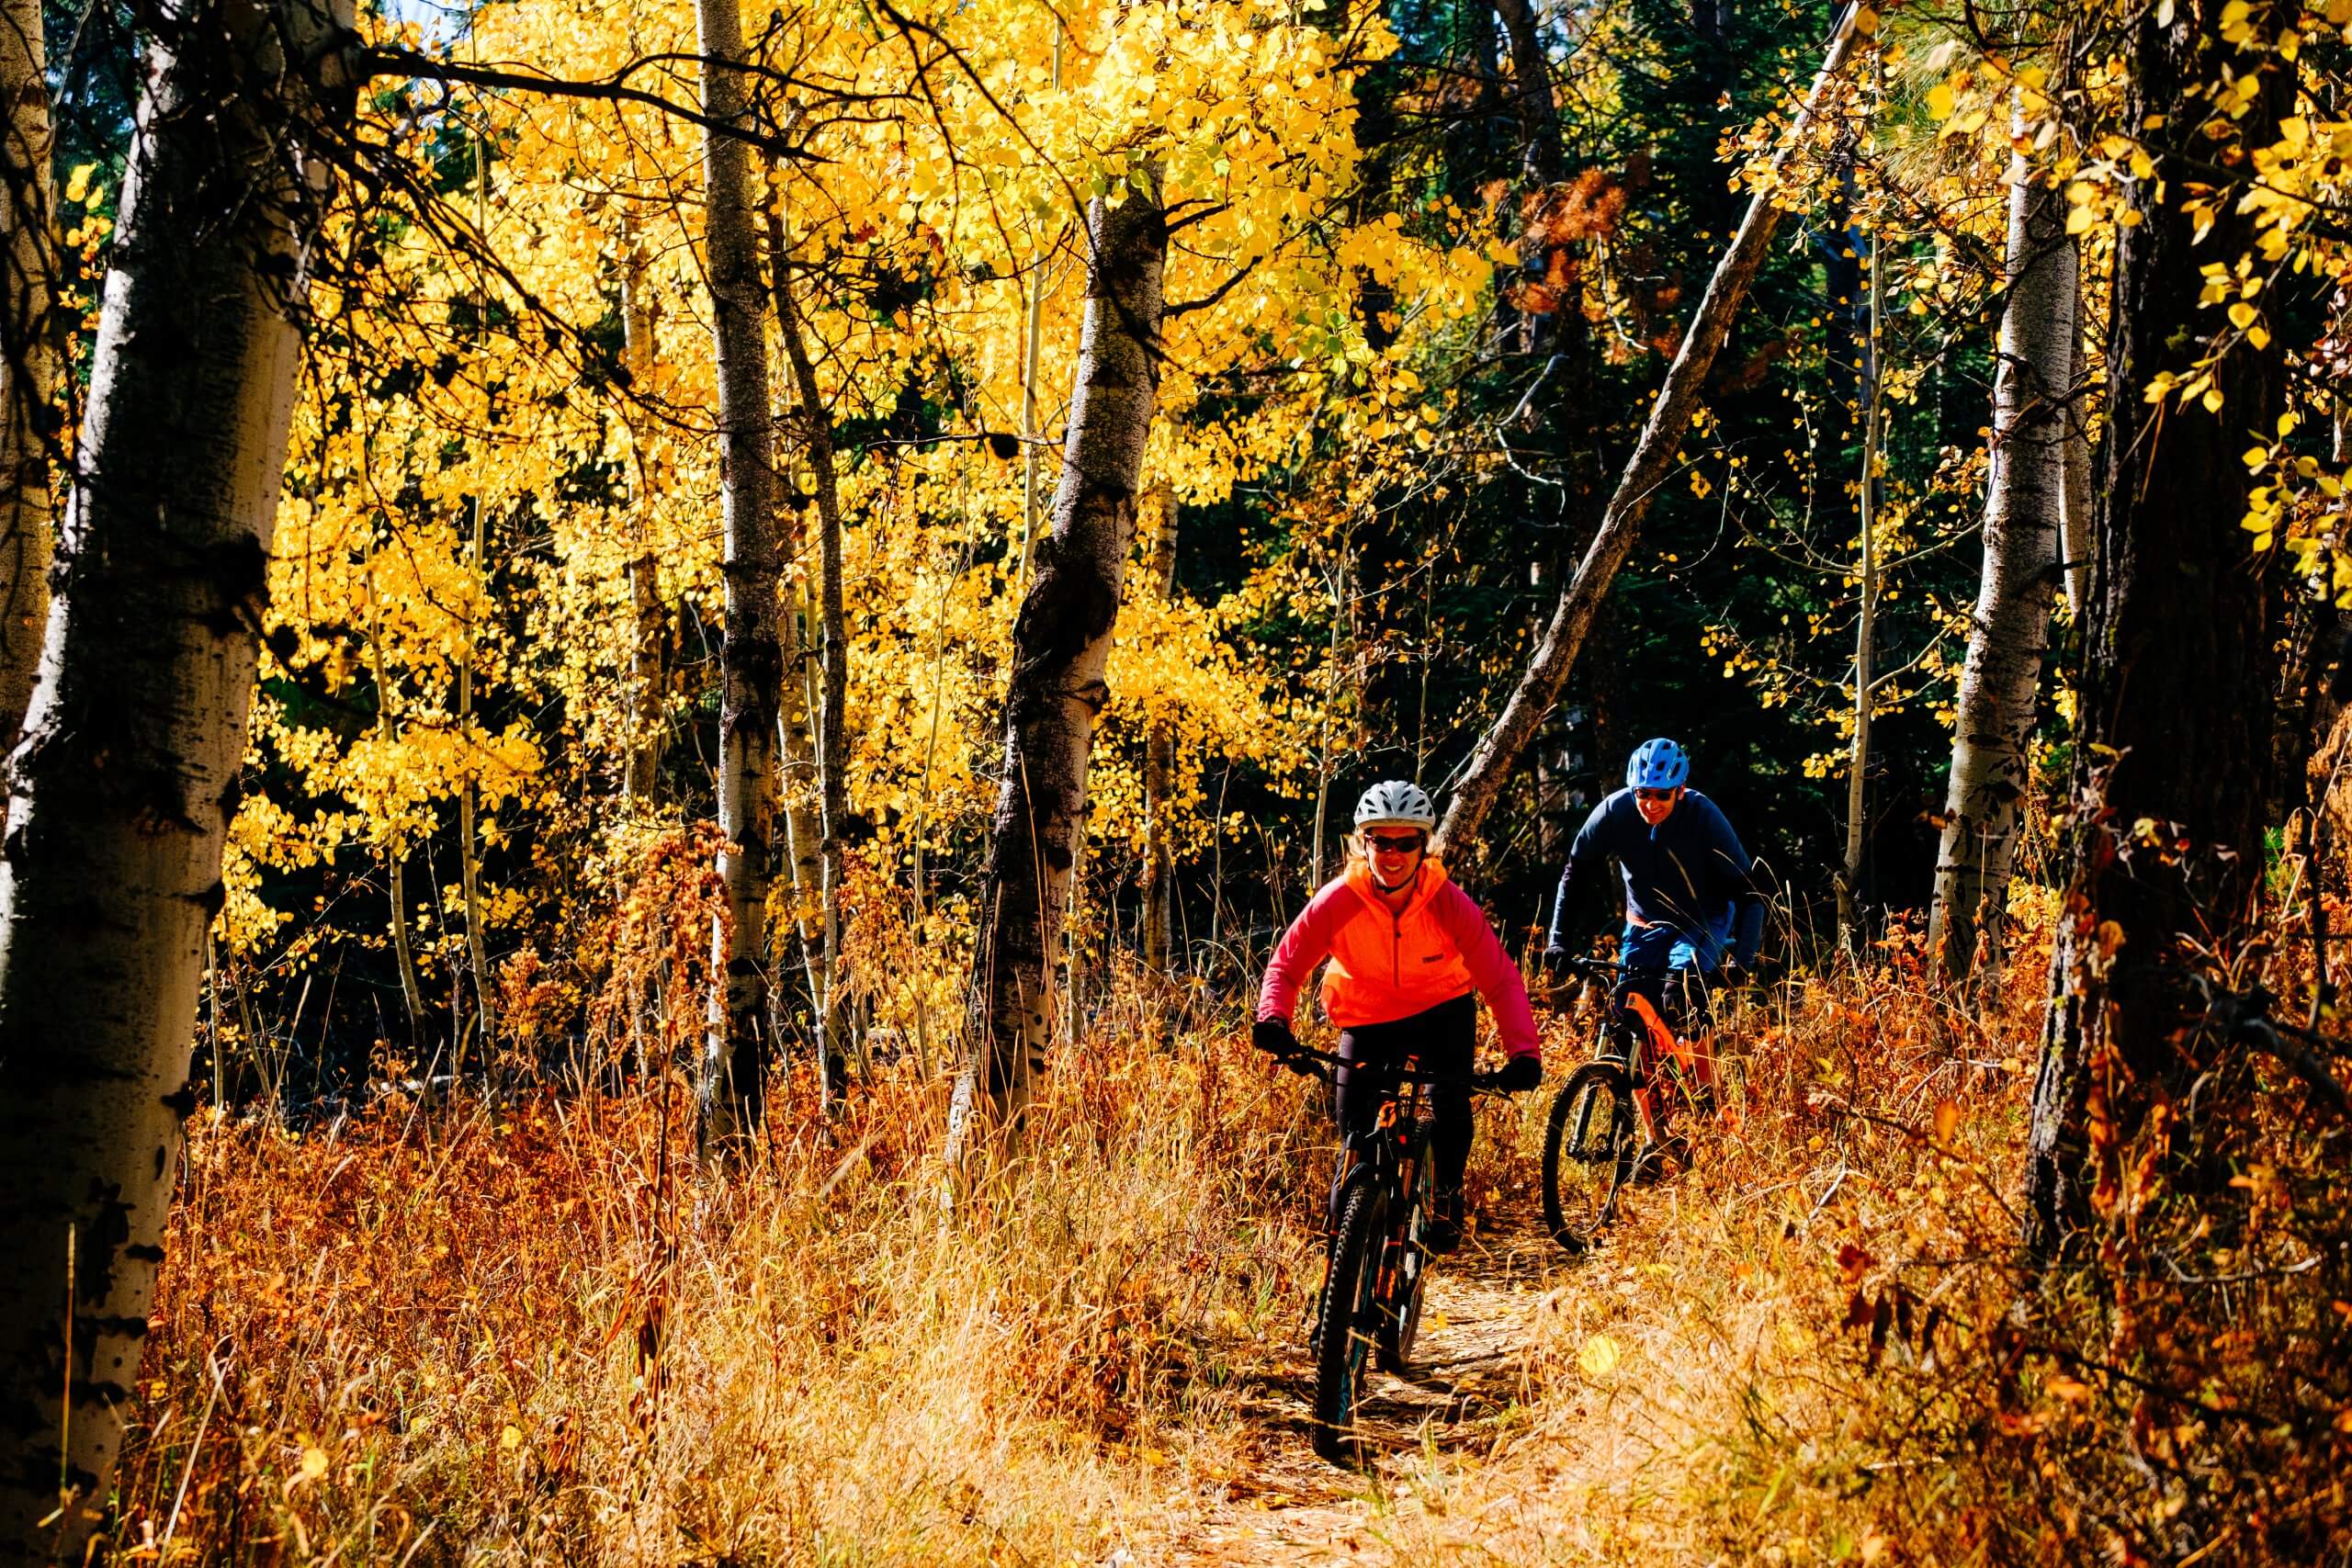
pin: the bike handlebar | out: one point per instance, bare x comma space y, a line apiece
1481, 1083
1608, 969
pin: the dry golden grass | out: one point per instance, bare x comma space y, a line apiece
535, 1334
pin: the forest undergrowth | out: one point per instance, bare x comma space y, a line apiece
534, 1332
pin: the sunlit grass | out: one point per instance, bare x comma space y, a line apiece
538, 1334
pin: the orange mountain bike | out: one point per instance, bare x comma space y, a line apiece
1613, 1116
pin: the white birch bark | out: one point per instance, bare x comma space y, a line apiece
27, 357
1061, 645
1159, 758
641, 765
798, 706
1858, 773
816, 429
2025, 514
730, 1083
123, 786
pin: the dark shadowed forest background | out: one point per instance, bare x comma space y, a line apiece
621, 623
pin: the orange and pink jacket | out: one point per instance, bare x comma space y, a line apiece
1388, 964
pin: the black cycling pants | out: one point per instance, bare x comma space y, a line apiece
1444, 1038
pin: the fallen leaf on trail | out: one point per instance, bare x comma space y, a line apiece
1599, 1357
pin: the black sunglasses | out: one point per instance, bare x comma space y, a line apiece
1654, 795
1395, 844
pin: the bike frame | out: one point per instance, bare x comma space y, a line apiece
1694, 1057
1393, 1150
1396, 1143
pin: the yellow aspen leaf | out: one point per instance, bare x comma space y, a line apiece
77, 185
1599, 1357
511, 1438
1939, 100
314, 1462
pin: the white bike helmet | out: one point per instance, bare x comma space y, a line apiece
1392, 803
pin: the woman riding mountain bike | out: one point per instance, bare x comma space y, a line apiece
1408, 950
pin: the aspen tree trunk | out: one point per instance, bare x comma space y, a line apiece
1061, 641
1159, 757
802, 787
2176, 708
1849, 879
469, 846
2025, 508
395, 852
469, 793
2081, 537
817, 437
642, 768
27, 357
796, 715
1033, 326
124, 784
1556, 653
728, 1087
1323, 745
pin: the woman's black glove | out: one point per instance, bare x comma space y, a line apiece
1273, 1037
1519, 1074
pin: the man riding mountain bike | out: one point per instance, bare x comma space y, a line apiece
1691, 901
1407, 949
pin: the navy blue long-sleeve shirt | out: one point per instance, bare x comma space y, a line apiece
1688, 871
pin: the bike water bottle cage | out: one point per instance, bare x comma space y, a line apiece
1658, 765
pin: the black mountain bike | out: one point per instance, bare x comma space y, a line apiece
1613, 1111
1374, 1275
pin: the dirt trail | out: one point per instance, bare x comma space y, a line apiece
1467, 1372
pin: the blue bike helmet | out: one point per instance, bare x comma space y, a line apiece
1658, 765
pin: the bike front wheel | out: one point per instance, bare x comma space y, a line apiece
1404, 1265
1590, 1140
1346, 1321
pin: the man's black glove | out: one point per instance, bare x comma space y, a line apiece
1555, 961
1519, 1074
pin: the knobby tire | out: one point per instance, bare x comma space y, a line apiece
1589, 1142
1345, 1321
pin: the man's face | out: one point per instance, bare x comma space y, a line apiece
1395, 853
1656, 804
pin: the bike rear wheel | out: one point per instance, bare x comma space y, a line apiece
1346, 1320
1590, 1140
